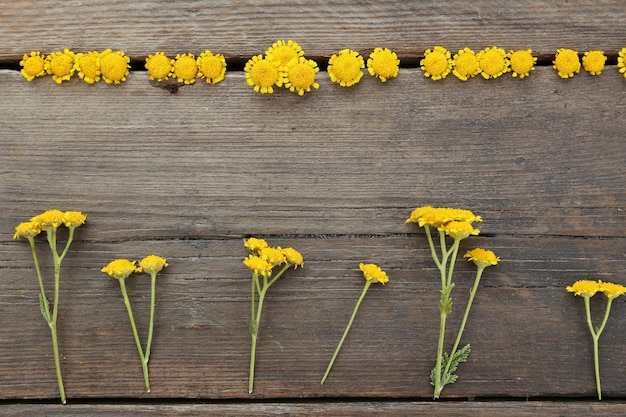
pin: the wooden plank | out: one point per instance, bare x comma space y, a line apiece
245, 28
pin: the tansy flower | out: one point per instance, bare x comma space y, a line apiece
440, 216
437, 63
88, 66
345, 68
33, 65
293, 257
211, 66
185, 68
611, 290
48, 219
159, 66
61, 65
458, 230
465, 64
120, 268
593, 62
566, 62
255, 245
300, 75
284, 52
26, 230
273, 256
372, 272
621, 61
114, 66
383, 64
493, 62
263, 74
522, 62
584, 287
73, 218
482, 257
258, 265
152, 264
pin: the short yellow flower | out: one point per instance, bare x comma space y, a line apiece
300, 75
255, 245
114, 66
88, 66
152, 264
185, 68
33, 65
284, 52
593, 62
61, 65
566, 62
383, 64
611, 290
293, 257
437, 63
345, 68
440, 216
263, 74
522, 62
48, 219
273, 256
372, 272
159, 66
258, 265
465, 64
482, 257
73, 218
458, 229
26, 230
211, 66
493, 62
584, 287
621, 61
120, 268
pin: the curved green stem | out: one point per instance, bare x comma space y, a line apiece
152, 306
595, 335
255, 331
52, 321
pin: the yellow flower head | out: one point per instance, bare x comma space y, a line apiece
566, 62
482, 257
611, 290
437, 63
458, 230
273, 256
120, 268
300, 75
258, 265
493, 62
33, 65
439, 216
284, 52
152, 264
159, 66
383, 64
49, 219
61, 65
185, 68
255, 245
88, 66
593, 62
345, 68
372, 272
114, 66
73, 218
263, 74
26, 230
293, 257
211, 66
621, 61
522, 62
584, 287
465, 64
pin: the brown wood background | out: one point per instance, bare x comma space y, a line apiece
333, 174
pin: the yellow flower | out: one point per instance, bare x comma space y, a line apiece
593, 62
152, 264
293, 257
159, 66
566, 62
437, 63
48, 219
465, 64
273, 256
283, 52
493, 62
611, 290
33, 65
263, 74
73, 218
255, 245
211, 66
621, 61
482, 257
383, 64
345, 68
372, 272
584, 287
522, 62
458, 229
120, 268
300, 75
440, 216
258, 266
88, 66
185, 68
26, 230
114, 66
61, 65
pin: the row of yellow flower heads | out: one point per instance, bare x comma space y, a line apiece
284, 65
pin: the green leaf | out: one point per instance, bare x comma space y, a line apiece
44, 307
450, 377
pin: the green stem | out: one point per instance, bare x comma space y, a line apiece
442, 330
595, 335
43, 300
152, 305
444, 307
433, 251
255, 333
455, 251
52, 321
345, 333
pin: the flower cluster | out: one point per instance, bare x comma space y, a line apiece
186, 68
